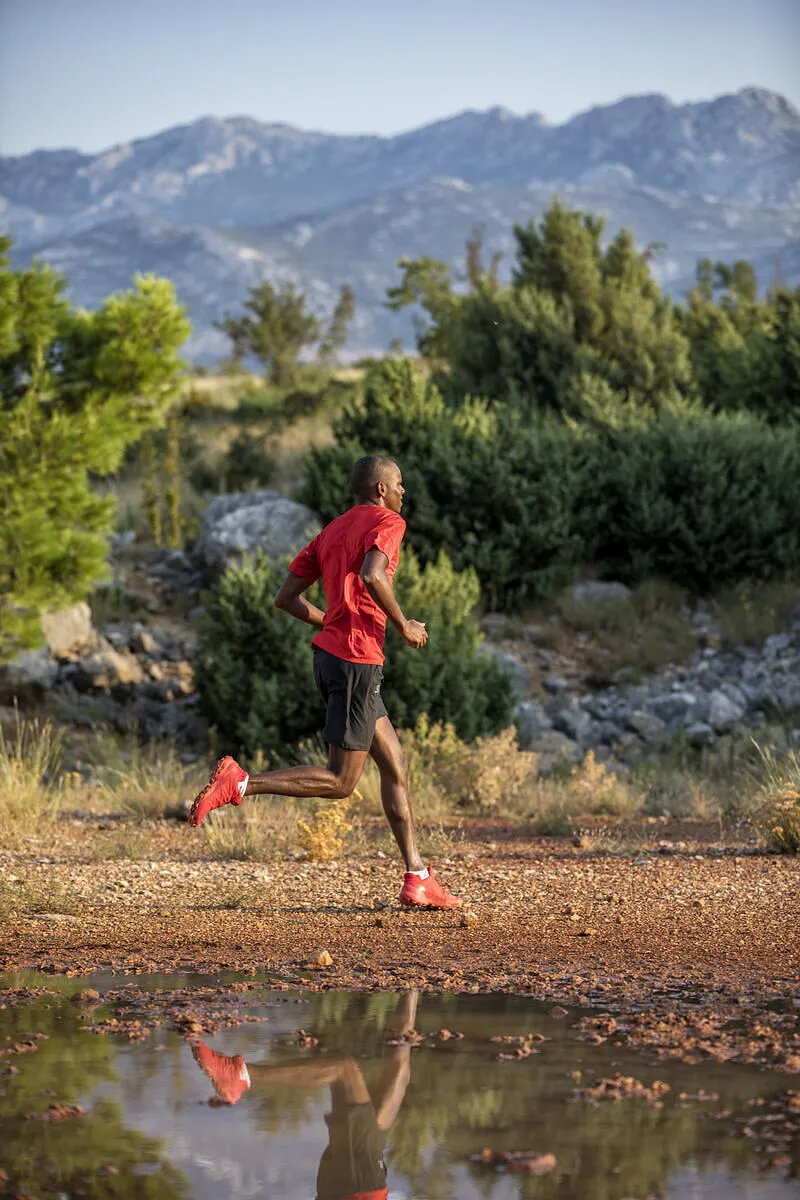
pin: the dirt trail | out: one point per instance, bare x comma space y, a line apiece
715, 937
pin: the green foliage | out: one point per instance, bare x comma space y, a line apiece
336, 334
688, 496
745, 352
698, 499
572, 309
448, 680
254, 670
77, 388
276, 327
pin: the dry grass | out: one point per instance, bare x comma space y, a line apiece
641, 634
30, 791
259, 831
152, 785
43, 896
323, 839
778, 813
446, 774
751, 612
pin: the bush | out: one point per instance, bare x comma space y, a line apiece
699, 499
254, 670
778, 815
447, 680
495, 491
76, 389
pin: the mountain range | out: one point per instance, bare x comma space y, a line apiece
218, 204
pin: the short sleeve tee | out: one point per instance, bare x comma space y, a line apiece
355, 626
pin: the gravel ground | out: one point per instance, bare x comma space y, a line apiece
697, 948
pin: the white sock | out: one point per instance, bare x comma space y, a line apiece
243, 786
423, 874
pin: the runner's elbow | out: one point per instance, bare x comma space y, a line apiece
370, 576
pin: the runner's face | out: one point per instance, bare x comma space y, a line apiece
395, 491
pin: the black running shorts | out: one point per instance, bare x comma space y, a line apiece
352, 692
353, 1161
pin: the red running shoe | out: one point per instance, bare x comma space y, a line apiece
426, 893
221, 789
229, 1076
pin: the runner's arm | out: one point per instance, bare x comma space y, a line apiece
379, 586
289, 599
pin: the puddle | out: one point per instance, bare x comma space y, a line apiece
370, 1095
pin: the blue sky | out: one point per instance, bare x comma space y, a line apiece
89, 73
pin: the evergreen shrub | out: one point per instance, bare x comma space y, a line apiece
254, 669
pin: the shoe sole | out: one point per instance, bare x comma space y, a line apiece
430, 907
201, 795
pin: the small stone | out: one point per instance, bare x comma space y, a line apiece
320, 960
469, 920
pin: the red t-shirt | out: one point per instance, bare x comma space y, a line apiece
355, 625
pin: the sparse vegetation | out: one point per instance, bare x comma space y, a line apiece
778, 814
258, 831
323, 838
30, 790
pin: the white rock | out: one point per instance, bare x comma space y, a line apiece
68, 630
598, 591
241, 523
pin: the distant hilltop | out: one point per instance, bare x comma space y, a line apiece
219, 203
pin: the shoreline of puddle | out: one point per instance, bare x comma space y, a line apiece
472, 1062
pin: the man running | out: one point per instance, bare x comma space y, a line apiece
356, 556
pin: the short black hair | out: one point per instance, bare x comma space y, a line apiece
368, 472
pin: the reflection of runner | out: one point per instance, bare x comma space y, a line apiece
352, 1166
356, 557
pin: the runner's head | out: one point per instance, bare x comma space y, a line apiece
377, 480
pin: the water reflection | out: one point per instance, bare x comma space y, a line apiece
366, 1112
353, 1164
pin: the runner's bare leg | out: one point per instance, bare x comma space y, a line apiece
333, 782
387, 754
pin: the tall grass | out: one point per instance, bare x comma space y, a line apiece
152, 785
260, 830
778, 814
30, 793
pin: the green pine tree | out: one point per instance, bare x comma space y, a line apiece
76, 388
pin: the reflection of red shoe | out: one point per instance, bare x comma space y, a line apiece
229, 1076
426, 893
221, 789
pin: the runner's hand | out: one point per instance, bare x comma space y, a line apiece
415, 634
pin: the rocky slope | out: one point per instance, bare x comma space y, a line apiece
219, 203
137, 674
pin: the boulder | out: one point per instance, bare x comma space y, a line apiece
532, 721
67, 631
700, 734
27, 676
674, 706
553, 747
106, 668
648, 726
239, 524
518, 671
723, 713
597, 591
577, 724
